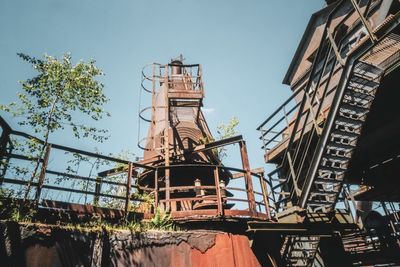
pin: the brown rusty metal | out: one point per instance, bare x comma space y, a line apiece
97, 189
179, 148
82, 209
40, 245
128, 189
166, 146
249, 182
265, 195
156, 190
219, 199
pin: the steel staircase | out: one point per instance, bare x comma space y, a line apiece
300, 250
342, 136
352, 112
315, 184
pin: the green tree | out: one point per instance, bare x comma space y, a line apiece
224, 130
54, 98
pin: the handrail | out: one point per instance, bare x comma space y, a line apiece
206, 166
79, 151
279, 109
187, 188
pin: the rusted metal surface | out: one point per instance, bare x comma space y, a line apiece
79, 209
249, 183
44, 246
128, 188
183, 249
40, 245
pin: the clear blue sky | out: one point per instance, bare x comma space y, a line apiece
245, 48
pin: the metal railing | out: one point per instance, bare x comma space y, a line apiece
218, 197
66, 174
73, 176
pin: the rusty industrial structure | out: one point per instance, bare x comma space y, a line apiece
334, 142
331, 199
189, 178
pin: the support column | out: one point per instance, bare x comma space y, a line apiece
265, 195
4, 139
128, 189
155, 189
99, 181
166, 143
218, 192
247, 176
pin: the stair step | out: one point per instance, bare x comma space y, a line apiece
359, 95
328, 173
363, 68
334, 164
344, 134
363, 83
348, 128
363, 75
358, 103
335, 158
362, 91
333, 152
327, 181
320, 203
331, 169
337, 139
352, 114
323, 193
356, 109
347, 148
348, 131
347, 109
356, 123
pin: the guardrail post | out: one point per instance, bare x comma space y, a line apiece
166, 144
4, 139
99, 181
155, 189
218, 192
265, 195
42, 174
247, 176
128, 189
